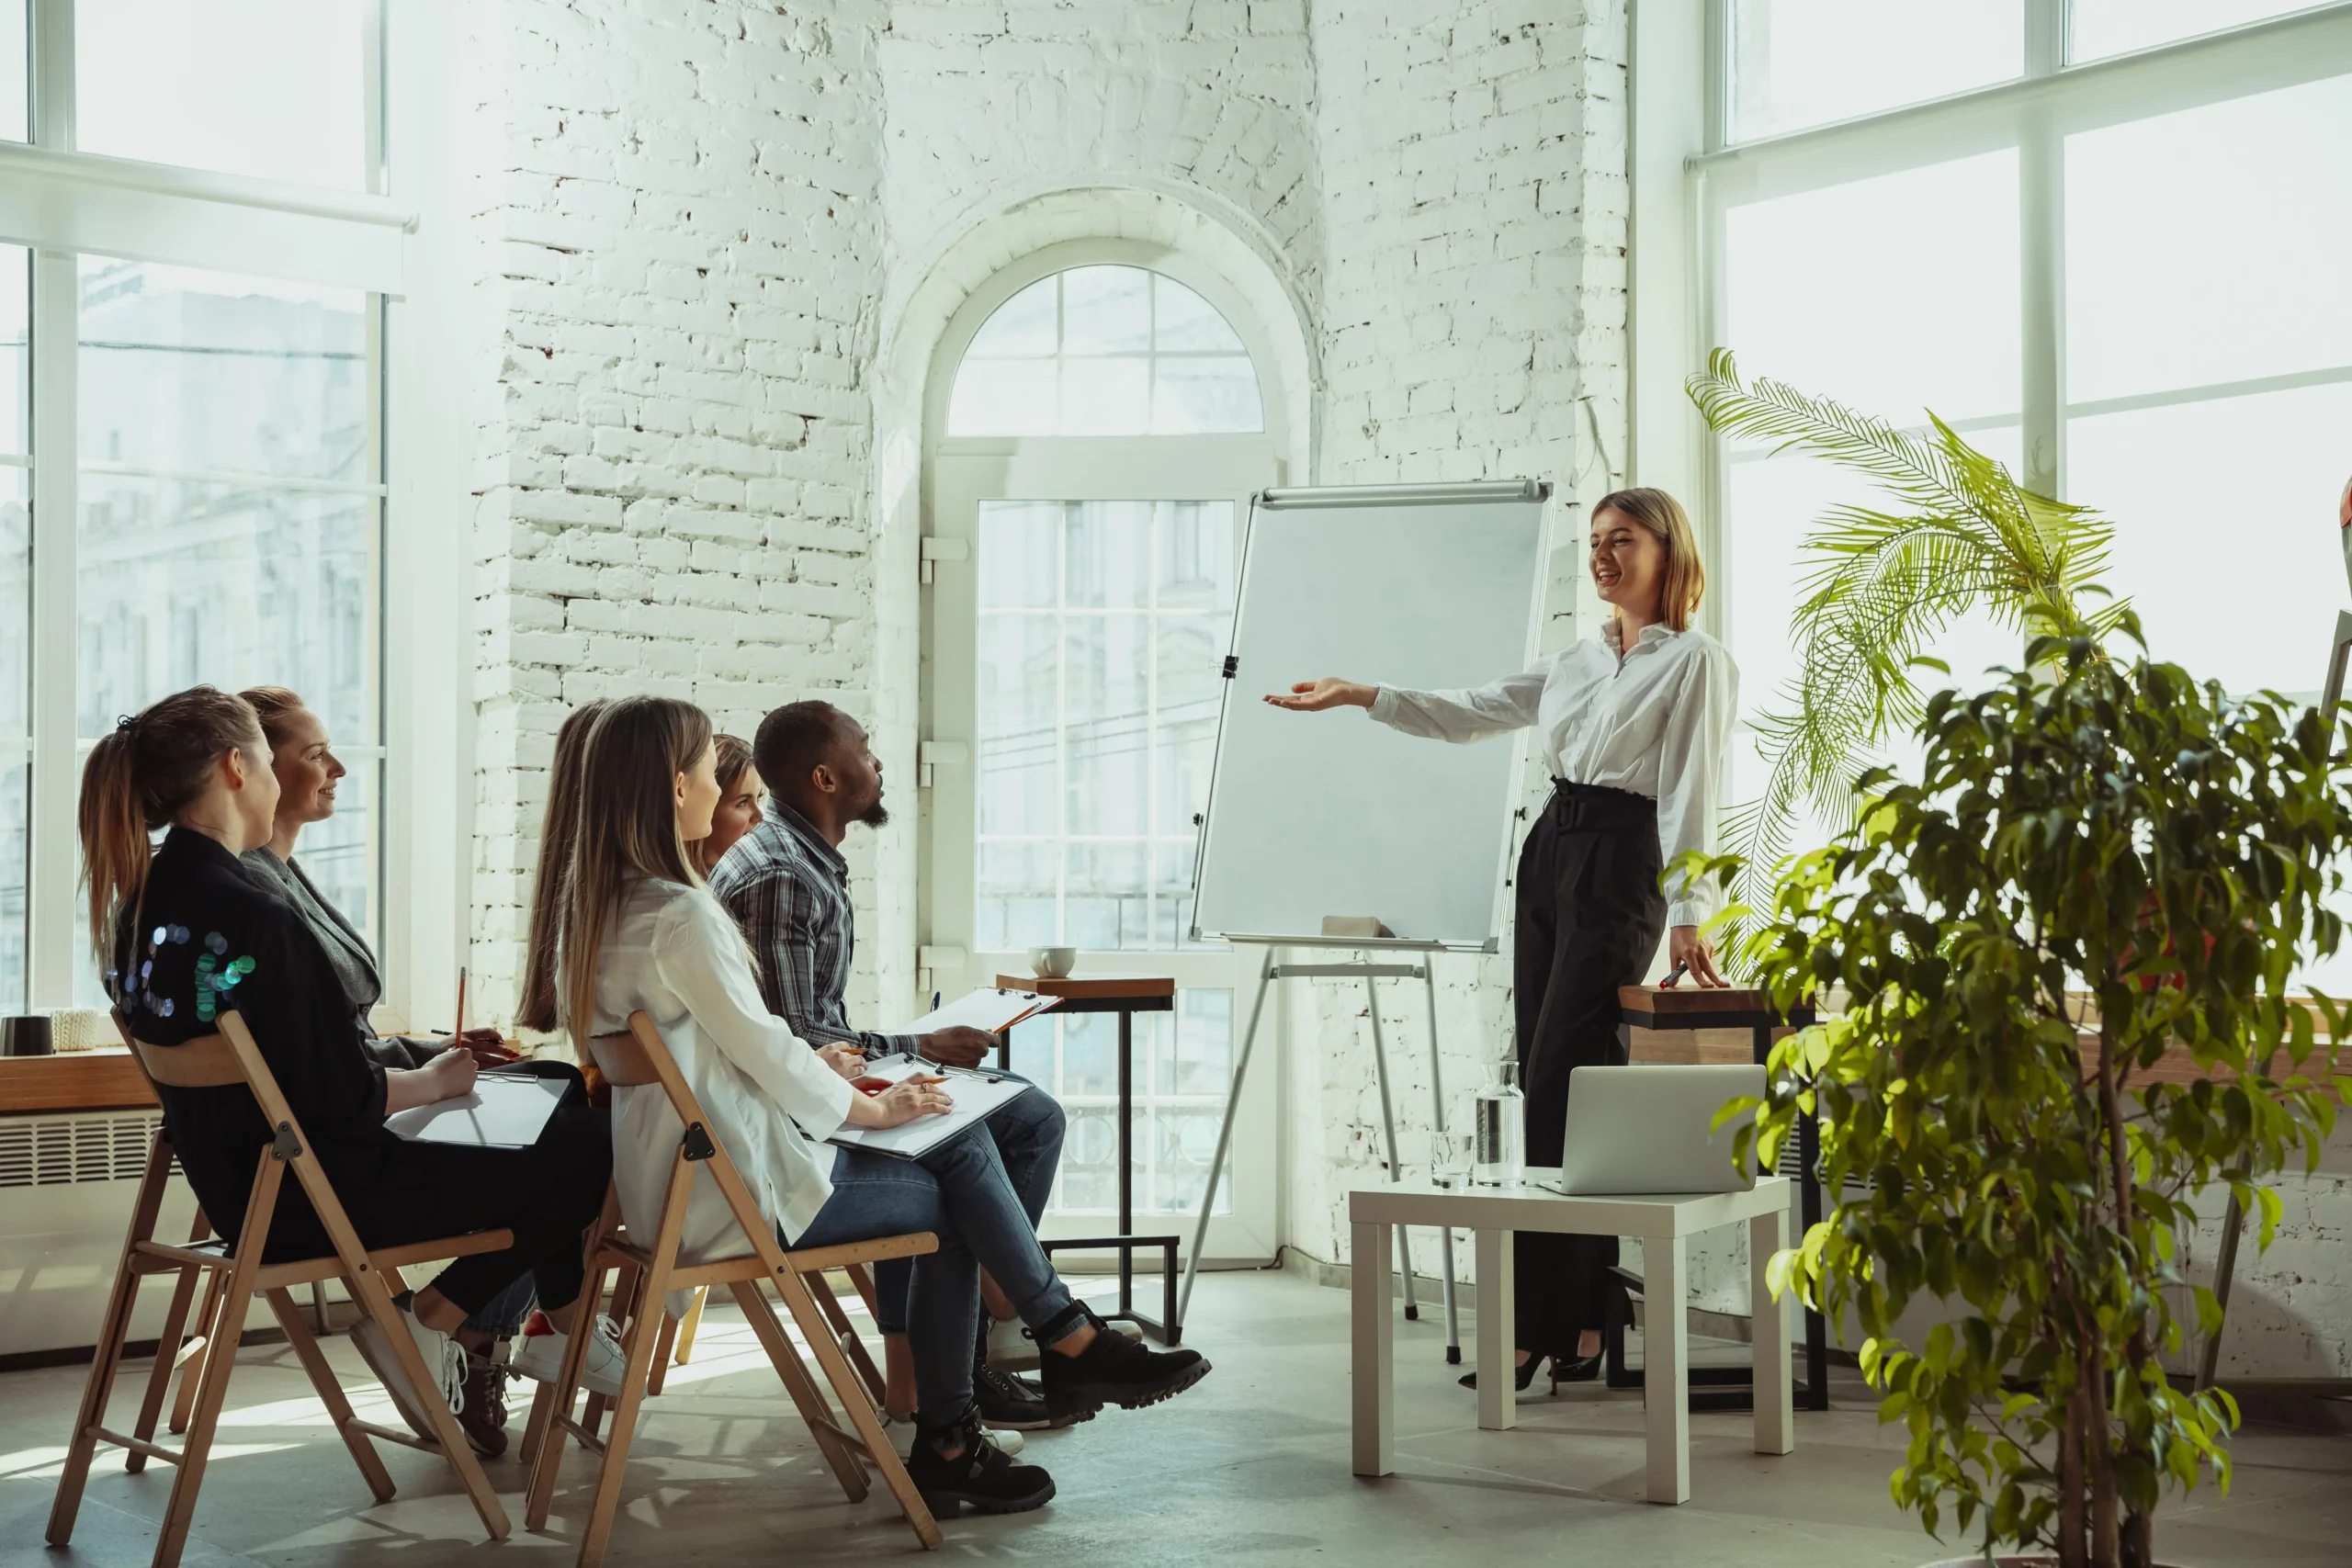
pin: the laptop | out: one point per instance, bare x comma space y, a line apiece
1647, 1129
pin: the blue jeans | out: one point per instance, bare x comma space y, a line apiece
960, 1193
1027, 1131
502, 1316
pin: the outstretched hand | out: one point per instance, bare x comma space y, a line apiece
1314, 697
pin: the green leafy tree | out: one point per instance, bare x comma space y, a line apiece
1954, 534
2099, 862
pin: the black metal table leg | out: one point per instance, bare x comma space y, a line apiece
1127, 1160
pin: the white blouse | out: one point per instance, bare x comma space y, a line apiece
675, 953
1656, 724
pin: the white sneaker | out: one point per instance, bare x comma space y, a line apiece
541, 1356
444, 1358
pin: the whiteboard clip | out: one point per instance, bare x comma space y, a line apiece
1232, 666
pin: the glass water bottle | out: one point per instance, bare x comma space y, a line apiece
1498, 1154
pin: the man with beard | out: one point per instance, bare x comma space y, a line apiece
788, 886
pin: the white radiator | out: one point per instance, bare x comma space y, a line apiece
67, 1183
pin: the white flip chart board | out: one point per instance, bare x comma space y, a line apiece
1321, 813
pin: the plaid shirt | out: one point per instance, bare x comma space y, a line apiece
789, 891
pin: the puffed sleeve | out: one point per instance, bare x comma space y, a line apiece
329, 1079
700, 956
1470, 714
1690, 774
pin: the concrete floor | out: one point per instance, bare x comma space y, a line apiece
1251, 1466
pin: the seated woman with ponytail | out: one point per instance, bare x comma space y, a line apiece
640, 932
192, 935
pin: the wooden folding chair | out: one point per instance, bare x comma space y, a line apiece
676, 1346
236, 1274
637, 1059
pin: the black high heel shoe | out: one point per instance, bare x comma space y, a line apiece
1521, 1378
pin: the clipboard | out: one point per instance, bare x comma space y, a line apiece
977, 1095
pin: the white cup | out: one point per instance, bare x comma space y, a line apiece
1053, 963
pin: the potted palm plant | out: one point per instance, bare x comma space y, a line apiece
1950, 533
2102, 862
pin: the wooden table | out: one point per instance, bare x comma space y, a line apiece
1692, 1007
103, 1079
1664, 1224
1126, 995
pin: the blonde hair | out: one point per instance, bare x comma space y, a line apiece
627, 830
275, 707
143, 773
1685, 581
557, 829
734, 756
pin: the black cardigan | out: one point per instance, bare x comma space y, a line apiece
203, 938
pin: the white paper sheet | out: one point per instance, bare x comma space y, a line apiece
501, 1113
976, 1093
985, 1008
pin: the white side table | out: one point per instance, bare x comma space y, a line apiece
1663, 1225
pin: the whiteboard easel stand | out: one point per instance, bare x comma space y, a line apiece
1268, 972
2226, 1260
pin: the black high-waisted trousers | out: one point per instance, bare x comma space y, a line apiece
1590, 914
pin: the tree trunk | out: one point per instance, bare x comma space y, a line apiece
2071, 1534
2139, 1540
2099, 1457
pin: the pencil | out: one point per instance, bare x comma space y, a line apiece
457, 1035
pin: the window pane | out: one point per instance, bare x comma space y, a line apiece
200, 372
1834, 292
1183, 322
2211, 246
1106, 310
1024, 326
273, 88
1105, 396
16, 358
1130, 352
1006, 397
1210, 395
1801, 63
16, 726
15, 41
2099, 28
1097, 716
2257, 477
227, 534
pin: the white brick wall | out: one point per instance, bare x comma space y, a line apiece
989, 102
680, 219
1473, 165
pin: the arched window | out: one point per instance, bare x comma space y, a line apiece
1106, 351
1099, 423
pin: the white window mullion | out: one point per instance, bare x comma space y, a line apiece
55, 941
53, 74
2042, 243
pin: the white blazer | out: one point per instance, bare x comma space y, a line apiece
676, 954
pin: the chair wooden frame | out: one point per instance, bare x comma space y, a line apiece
651, 1271
236, 1275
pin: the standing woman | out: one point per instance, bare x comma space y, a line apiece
1634, 724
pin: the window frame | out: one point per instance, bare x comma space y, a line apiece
960, 473
62, 204
1685, 174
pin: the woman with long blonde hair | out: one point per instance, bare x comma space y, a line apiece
1636, 724
640, 932
193, 936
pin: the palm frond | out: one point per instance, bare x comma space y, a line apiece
1880, 584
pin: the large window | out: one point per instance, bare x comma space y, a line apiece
1101, 433
191, 473
2112, 253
